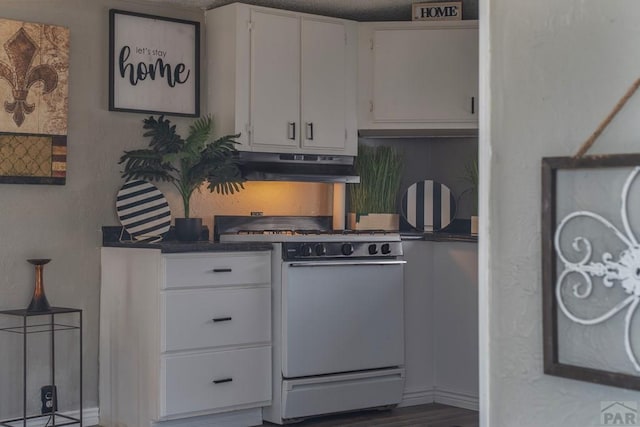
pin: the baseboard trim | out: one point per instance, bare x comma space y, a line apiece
239, 418
90, 417
460, 400
417, 397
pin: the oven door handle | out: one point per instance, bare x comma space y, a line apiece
344, 263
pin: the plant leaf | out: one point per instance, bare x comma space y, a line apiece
147, 165
380, 170
185, 163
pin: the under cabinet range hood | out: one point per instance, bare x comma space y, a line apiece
297, 167
418, 133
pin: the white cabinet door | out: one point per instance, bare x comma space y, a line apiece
275, 80
416, 75
285, 81
425, 75
323, 84
418, 315
455, 311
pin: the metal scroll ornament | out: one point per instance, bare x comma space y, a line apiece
623, 271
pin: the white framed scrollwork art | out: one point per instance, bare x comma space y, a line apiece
154, 64
591, 268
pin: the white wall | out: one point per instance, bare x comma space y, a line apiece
63, 222
551, 73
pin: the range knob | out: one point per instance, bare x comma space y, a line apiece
385, 249
373, 249
305, 250
320, 249
347, 249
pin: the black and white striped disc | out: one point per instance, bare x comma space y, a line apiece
428, 205
143, 211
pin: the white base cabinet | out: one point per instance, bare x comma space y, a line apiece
285, 81
441, 323
183, 335
418, 75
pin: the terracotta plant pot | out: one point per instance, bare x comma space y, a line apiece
188, 229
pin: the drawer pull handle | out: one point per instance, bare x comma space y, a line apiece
223, 380
221, 319
310, 131
222, 270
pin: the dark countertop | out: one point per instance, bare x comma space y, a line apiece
441, 236
111, 236
458, 231
174, 247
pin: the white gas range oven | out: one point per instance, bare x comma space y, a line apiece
338, 315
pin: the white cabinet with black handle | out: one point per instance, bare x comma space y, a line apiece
418, 75
184, 335
285, 81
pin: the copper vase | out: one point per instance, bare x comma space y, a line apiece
39, 301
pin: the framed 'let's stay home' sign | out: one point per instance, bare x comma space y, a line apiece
154, 64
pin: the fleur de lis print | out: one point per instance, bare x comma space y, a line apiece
623, 271
21, 51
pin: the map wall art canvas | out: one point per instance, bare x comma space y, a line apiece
34, 79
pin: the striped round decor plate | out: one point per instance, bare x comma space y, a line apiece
428, 205
143, 211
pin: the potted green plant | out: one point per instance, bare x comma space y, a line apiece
372, 202
186, 163
471, 176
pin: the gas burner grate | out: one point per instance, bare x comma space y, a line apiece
267, 232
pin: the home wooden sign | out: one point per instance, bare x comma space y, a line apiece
440, 11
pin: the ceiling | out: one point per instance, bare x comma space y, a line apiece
358, 10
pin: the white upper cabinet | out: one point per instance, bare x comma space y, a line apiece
416, 75
286, 81
324, 85
275, 80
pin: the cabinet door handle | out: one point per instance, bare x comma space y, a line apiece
473, 105
221, 319
221, 270
223, 380
309, 130
291, 130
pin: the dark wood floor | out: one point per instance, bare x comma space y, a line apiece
431, 415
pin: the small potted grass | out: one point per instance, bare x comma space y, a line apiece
372, 202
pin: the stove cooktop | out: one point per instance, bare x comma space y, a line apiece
291, 229
320, 236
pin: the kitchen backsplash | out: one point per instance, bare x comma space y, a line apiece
270, 198
439, 159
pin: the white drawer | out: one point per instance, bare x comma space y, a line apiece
202, 318
210, 269
243, 377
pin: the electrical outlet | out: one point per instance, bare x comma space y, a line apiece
49, 404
